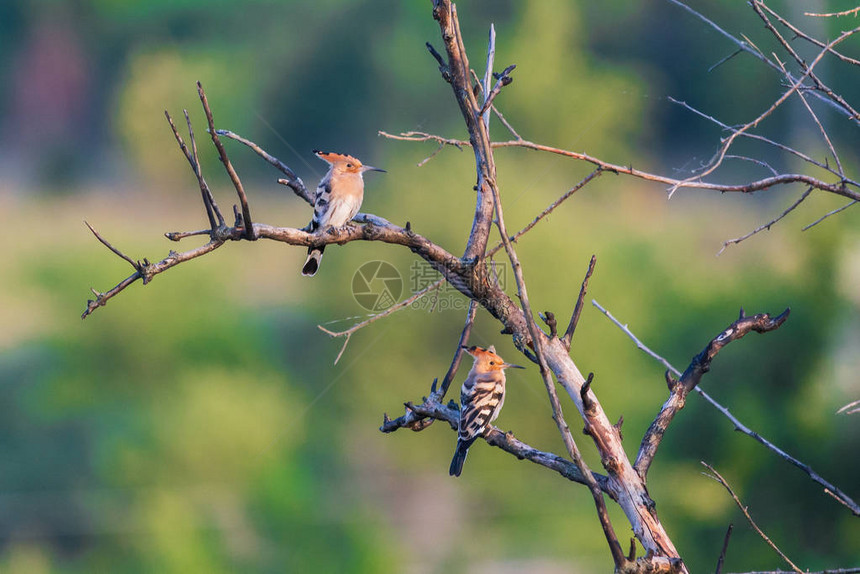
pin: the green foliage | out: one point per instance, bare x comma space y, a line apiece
198, 425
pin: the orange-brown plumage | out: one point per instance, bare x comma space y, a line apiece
338, 199
481, 399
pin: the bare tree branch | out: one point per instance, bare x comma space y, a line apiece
580, 301
722, 557
457, 67
839, 188
494, 437
850, 408
549, 209
828, 571
747, 46
767, 225
473, 275
836, 14
701, 364
835, 492
768, 141
727, 142
247, 222
292, 180
557, 415
393, 309
503, 80
208, 201
828, 214
758, 7
458, 353
488, 74
147, 271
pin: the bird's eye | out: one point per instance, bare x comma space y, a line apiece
492, 362
349, 165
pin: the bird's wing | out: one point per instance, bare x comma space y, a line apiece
481, 399
322, 200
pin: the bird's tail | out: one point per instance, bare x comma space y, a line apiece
459, 457
312, 263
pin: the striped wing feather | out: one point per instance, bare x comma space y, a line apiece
481, 397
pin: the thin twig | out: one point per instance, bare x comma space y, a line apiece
106, 243
828, 214
506, 123
147, 271
580, 302
458, 353
767, 225
850, 408
503, 80
208, 199
193, 160
801, 34
234, 177
488, 75
727, 142
424, 161
747, 46
549, 209
414, 136
837, 14
763, 139
722, 557
639, 344
759, 162
292, 180
393, 309
179, 235
838, 188
724, 60
557, 414
716, 475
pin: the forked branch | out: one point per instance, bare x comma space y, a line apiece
431, 409
247, 223
701, 364
829, 488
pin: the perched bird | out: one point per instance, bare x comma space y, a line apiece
481, 400
338, 199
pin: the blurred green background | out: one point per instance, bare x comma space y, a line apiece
199, 425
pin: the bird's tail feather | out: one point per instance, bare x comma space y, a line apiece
312, 263
459, 457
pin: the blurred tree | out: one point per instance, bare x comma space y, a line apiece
199, 426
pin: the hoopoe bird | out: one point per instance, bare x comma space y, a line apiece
481, 400
338, 198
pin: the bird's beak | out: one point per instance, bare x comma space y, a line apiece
511, 366
371, 168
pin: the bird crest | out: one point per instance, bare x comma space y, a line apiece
487, 360
333, 158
